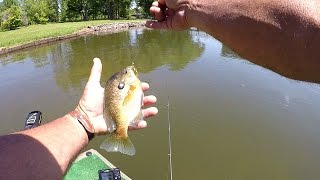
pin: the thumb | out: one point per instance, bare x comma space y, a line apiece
96, 70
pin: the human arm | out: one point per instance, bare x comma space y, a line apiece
283, 36
45, 152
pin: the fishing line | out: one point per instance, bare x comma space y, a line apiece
169, 139
134, 53
169, 131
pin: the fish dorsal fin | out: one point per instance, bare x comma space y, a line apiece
129, 95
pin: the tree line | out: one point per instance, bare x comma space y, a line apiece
17, 13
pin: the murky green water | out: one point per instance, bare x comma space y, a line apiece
230, 119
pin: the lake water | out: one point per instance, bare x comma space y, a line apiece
230, 119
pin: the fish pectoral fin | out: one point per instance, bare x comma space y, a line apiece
129, 95
137, 119
114, 143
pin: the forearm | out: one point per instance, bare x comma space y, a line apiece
283, 36
43, 152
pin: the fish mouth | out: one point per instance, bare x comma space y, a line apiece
133, 74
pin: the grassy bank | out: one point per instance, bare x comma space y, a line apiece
36, 32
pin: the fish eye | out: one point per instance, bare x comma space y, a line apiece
126, 72
121, 85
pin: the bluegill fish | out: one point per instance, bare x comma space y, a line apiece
122, 108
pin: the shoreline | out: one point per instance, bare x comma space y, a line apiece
103, 28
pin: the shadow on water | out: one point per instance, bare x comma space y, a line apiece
227, 52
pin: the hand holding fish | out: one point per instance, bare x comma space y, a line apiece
91, 103
58, 142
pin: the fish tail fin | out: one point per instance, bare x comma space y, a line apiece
115, 143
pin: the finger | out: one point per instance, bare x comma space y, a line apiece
145, 86
157, 25
157, 12
162, 2
150, 112
96, 70
142, 124
155, 3
162, 5
146, 113
149, 100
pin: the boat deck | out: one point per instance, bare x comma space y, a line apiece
87, 165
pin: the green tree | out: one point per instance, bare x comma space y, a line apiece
11, 18
124, 8
85, 9
110, 9
8, 3
115, 9
38, 11
96, 8
4, 5
63, 10
145, 5
53, 14
1, 10
78, 8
